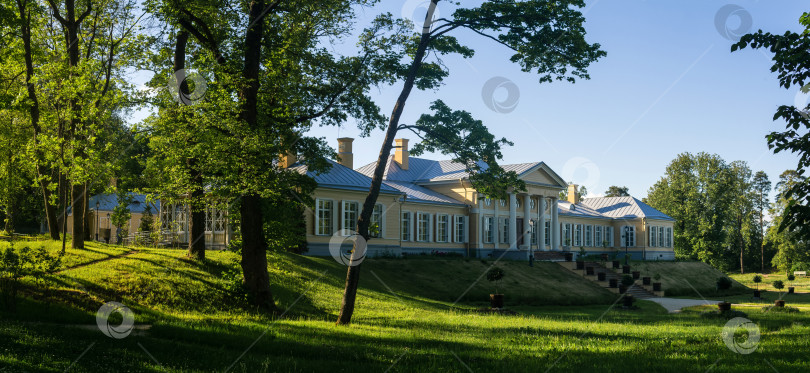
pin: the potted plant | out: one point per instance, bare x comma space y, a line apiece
601, 276
657, 283
495, 275
589, 271
757, 279
569, 256
627, 281
616, 264
724, 306
627, 301
636, 275
580, 262
779, 285
626, 269
646, 281
604, 257
613, 282
723, 283
790, 278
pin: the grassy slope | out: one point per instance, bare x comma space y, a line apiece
801, 284
691, 279
196, 324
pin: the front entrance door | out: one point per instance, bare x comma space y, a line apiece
519, 230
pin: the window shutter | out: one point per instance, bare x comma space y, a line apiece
430, 228
317, 213
623, 235
465, 220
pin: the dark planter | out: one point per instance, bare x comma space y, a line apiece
779, 303
589, 271
569, 257
616, 264
580, 265
622, 289
646, 281
628, 300
601, 276
613, 282
604, 257
626, 270
757, 294
724, 306
790, 290
496, 300
636, 275
656, 286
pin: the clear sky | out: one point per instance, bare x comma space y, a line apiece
668, 85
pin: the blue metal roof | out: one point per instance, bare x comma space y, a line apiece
419, 193
341, 177
107, 202
422, 170
623, 208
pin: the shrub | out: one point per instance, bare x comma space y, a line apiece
800, 266
727, 315
627, 280
780, 309
15, 265
724, 283
791, 277
778, 284
495, 274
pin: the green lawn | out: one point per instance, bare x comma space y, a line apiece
689, 279
189, 319
802, 284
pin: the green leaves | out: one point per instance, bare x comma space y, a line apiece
469, 142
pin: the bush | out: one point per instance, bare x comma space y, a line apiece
791, 277
757, 279
26, 262
724, 283
627, 280
778, 284
780, 309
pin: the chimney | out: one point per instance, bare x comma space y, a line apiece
287, 160
345, 151
573, 194
401, 154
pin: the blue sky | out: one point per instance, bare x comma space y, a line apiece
668, 85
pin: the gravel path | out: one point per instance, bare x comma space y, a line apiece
674, 305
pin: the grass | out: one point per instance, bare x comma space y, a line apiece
199, 322
691, 279
801, 284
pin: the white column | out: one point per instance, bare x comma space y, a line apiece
555, 225
480, 230
512, 221
541, 224
527, 222
496, 233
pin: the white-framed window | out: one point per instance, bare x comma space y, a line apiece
628, 236
422, 227
589, 235
578, 235
377, 227
351, 211
209, 218
653, 236
660, 236
180, 218
166, 217
405, 226
487, 201
504, 230
567, 234
460, 228
489, 229
597, 236
609, 236
548, 233
532, 203
668, 236
442, 228
517, 202
503, 203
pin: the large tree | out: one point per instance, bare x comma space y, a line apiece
617, 191
762, 202
791, 61
544, 36
790, 248
270, 79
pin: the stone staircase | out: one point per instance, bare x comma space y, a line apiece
542, 256
638, 290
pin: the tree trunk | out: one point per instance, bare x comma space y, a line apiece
196, 242
353, 273
254, 247
78, 216
254, 253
